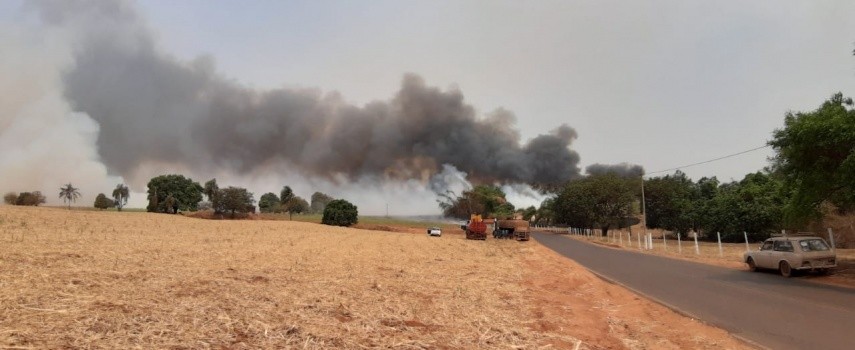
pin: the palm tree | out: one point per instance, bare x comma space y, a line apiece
121, 195
69, 194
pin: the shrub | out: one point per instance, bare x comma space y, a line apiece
340, 213
102, 202
10, 198
30, 198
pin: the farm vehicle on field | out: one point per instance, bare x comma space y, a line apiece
507, 229
476, 228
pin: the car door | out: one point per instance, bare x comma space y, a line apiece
763, 257
783, 250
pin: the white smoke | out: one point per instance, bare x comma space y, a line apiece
43, 144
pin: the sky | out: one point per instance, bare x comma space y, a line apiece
660, 84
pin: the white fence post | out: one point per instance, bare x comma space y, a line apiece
747, 247
679, 244
720, 253
664, 241
639, 241
620, 238
697, 250
831, 238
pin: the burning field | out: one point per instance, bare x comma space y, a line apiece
85, 279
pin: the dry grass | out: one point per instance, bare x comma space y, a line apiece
107, 280
88, 279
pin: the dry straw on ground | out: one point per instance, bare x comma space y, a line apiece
86, 279
124, 280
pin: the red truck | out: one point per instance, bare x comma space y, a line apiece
476, 228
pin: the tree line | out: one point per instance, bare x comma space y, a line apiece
173, 193
812, 174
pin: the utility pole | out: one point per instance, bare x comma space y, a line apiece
643, 209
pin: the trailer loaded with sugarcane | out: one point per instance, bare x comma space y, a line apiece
507, 229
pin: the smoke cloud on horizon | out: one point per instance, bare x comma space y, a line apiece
149, 113
621, 169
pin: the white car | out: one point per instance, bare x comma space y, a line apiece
790, 254
434, 231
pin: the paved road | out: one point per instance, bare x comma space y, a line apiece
764, 308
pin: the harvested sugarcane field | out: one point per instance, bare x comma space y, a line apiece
88, 279
426, 174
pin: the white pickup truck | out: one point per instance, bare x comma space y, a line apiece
434, 231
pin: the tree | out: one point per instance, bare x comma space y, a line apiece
816, 158
545, 213
30, 198
600, 200
186, 194
529, 212
212, 191
319, 202
504, 211
102, 202
487, 200
670, 202
269, 203
340, 212
296, 205
754, 205
237, 200
69, 194
120, 196
10, 198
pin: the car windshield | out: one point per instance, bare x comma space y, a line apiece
810, 245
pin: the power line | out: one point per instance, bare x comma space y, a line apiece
707, 161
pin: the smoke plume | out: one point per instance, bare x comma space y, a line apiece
148, 112
621, 169
153, 108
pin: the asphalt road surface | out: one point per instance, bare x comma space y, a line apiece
764, 308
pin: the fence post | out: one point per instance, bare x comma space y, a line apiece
747, 248
697, 250
620, 238
629, 238
679, 244
664, 241
639, 241
831, 238
720, 253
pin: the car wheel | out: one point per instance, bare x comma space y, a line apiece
785, 269
751, 265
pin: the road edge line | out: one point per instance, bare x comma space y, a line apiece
684, 313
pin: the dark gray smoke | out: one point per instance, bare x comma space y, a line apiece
622, 169
153, 108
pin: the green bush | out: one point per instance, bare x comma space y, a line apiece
340, 213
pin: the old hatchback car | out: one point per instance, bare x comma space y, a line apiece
789, 254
